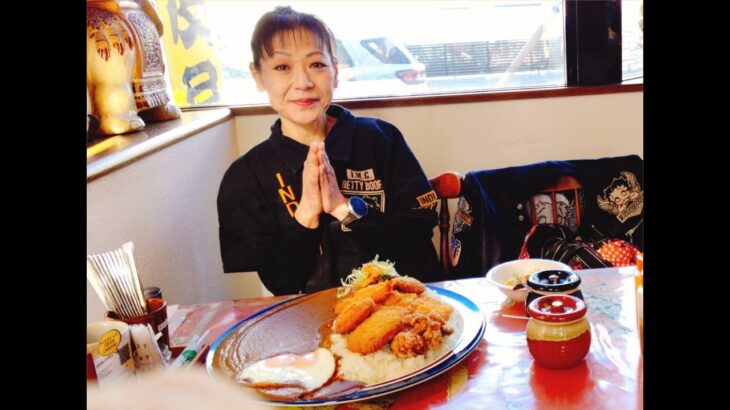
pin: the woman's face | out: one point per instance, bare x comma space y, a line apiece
299, 78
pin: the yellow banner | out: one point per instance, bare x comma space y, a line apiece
194, 66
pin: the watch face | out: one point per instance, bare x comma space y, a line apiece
358, 206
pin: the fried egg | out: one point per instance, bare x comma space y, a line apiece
310, 370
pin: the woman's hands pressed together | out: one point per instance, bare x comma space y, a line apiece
310, 206
320, 192
333, 202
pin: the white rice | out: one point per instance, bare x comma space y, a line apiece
384, 365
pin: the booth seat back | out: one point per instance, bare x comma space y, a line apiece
594, 199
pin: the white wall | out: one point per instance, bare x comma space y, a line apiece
466, 137
473, 136
165, 202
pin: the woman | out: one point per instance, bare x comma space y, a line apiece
327, 191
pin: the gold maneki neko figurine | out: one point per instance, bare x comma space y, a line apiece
125, 71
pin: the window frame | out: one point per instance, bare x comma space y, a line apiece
579, 25
592, 42
635, 85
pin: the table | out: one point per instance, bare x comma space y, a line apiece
499, 373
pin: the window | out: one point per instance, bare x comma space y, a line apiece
385, 51
632, 38
343, 57
395, 48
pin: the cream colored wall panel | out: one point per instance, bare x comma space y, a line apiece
166, 204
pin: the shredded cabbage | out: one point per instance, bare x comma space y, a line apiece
385, 269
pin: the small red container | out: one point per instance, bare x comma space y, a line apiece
558, 334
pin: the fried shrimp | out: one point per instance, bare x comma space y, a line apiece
376, 331
378, 307
354, 314
342, 304
408, 285
378, 292
372, 274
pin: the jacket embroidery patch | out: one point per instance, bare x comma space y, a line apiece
364, 175
560, 207
375, 200
462, 216
364, 184
361, 181
286, 193
623, 197
454, 250
427, 200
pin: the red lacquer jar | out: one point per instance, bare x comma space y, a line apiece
558, 334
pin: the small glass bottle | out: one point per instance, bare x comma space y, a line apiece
552, 282
558, 333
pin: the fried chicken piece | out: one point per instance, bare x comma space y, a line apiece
432, 335
428, 326
420, 304
408, 285
408, 344
431, 307
354, 314
417, 321
438, 316
399, 299
376, 331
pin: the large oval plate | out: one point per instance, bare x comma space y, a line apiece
293, 326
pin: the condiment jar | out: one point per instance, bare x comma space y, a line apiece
558, 334
552, 282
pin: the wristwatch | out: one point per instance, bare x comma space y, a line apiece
357, 208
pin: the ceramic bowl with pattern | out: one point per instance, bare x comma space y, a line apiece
507, 275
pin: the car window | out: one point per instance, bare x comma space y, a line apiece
385, 51
343, 57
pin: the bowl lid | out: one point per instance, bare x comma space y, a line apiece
557, 308
554, 280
